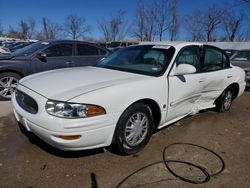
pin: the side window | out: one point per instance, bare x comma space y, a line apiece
59, 50
190, 55
213, 60
84, 49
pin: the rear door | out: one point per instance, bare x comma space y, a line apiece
185, 90
87, 55
216, 75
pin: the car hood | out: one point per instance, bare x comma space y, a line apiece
65, 84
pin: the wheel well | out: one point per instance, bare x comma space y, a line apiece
236, 88
13, 71
154, 108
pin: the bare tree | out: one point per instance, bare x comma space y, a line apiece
211, 21
50, 30
174, 24
204, 24
140, 22
105, 29
145, 22
1, 29
162, 19
245, 1
24, 29
193, 27
75, 27
12, 33
150, 31
231, 24
32, 25
114, 28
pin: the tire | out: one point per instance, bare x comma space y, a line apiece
133, 130
8, 83
224, 102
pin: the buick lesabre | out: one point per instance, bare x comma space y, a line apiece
127, 96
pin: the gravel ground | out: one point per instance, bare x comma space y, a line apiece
32, 163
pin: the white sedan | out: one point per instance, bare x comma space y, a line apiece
127, 96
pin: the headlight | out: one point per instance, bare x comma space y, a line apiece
71, 110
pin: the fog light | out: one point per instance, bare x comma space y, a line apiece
71, 137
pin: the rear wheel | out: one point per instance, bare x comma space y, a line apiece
224, 102
134, 129
8, 83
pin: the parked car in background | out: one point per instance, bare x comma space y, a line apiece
19, 45
242, 59
230, 52
118, 45
15, 45
127, 96
4, 50
43, 56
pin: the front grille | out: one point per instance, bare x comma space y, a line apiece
26, 102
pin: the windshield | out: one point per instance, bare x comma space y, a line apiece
141, 59
30, 49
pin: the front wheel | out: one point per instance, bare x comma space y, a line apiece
8, 83
224, 102
134, 129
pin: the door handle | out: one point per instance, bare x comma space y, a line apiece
229, 76
70, 63
202, 80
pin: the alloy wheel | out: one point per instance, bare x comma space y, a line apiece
136, 129
7, 86
228, 100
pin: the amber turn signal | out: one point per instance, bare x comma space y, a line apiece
95, 110
71, 137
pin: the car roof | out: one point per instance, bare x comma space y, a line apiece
77, 41
176, 44
54, 41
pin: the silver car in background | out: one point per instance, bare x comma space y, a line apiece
242, 59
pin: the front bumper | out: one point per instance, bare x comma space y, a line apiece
95, 132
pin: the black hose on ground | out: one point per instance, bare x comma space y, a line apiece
166, 162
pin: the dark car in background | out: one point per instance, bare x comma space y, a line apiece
230, 52
43, 56
242, 59
15, 45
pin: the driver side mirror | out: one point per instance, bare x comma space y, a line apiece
41, 56
183, 69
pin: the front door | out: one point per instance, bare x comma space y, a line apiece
185, 90
57, 56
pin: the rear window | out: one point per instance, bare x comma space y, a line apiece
86, 50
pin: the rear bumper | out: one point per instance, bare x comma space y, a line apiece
248, 80
242, 88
